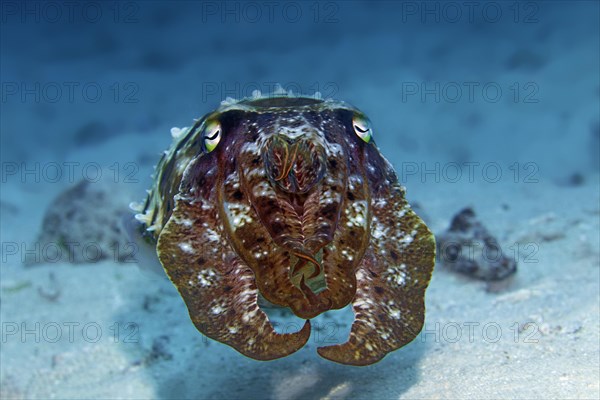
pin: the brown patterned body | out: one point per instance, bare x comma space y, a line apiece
290, 198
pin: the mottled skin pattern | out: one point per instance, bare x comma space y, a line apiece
294, 205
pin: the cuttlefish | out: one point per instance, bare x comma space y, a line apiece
288, 199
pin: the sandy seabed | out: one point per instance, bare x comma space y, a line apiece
109, 330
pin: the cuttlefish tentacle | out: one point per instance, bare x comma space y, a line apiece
288, 163
306, 258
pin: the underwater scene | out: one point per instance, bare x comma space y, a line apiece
300, 199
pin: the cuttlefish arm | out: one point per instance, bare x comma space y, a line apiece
218, 288
389, 303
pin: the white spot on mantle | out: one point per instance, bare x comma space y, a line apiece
186, 247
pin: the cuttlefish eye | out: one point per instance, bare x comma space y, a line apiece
362, 128
211, 135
